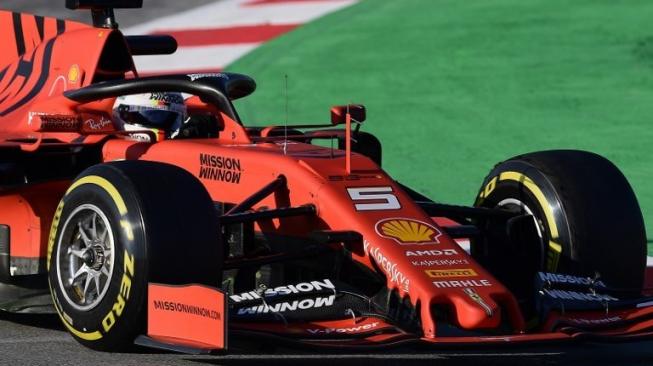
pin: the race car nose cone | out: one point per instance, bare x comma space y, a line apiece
475, 311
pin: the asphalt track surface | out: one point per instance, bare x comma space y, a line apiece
41, 340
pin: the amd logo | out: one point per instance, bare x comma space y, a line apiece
430, 253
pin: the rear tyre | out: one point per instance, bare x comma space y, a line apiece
587, 215
119, 226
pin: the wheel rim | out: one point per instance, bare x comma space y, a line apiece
517, 205
85, 257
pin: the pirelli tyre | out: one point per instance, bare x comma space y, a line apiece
588, 221
117, 227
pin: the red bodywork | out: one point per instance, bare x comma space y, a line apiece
349, 191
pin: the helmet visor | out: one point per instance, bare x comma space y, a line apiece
148, 117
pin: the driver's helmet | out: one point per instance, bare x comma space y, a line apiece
161, 113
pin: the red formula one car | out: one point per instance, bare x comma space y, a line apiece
233, 230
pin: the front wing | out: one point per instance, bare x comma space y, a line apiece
195, 321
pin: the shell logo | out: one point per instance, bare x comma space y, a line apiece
408, 231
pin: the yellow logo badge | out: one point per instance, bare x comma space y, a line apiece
408, 231
73, 74
439, 273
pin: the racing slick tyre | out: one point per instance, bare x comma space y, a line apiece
119, 226
588, 221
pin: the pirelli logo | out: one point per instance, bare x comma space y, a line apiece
450, 273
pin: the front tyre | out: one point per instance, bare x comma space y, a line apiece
117, 227
587, 217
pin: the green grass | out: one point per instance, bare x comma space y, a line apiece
452, 87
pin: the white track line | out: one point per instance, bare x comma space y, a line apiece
193, 58
222, 14
233, 13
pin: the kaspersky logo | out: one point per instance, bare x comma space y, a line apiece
408, 231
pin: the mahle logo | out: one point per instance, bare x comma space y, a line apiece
408, 231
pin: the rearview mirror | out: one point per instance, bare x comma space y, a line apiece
339, 113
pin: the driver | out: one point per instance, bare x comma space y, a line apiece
161, 113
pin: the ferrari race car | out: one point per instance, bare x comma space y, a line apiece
226, 230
